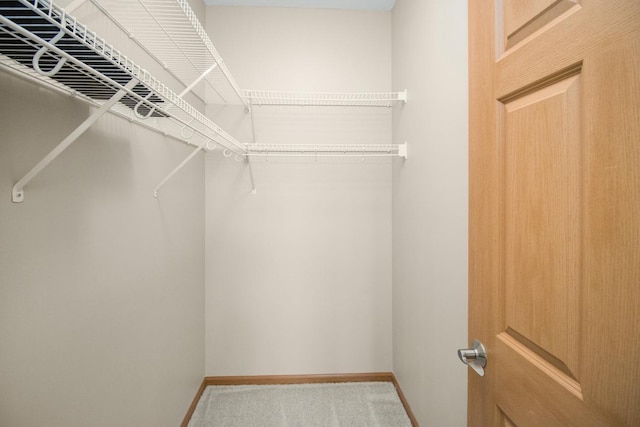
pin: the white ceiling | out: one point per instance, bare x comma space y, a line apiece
319, 4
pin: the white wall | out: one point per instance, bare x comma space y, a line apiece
430, 208
101, 311
101, 285
299, 275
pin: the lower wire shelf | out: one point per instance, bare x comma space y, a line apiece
335, 150
324, 99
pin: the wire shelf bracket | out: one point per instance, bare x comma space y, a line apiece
17, 194
253, 184
180, 166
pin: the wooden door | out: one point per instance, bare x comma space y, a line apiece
555, 211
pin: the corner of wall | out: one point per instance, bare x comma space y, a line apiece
430, 193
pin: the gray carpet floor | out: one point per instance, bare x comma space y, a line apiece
366, 404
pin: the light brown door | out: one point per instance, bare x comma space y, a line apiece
555, 211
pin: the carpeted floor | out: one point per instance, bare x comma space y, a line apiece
365, 404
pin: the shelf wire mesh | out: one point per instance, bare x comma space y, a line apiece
171, 30
38, 34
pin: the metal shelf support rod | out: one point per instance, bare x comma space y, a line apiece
17, 194
253, 184
191, 16
180, 166
198, 80
253, 124
73, 6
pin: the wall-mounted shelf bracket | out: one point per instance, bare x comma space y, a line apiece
193, 84
402, 96
253, 184
402, 150
17, 194
180, 166
74, 5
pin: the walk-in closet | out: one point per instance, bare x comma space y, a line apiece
206, 188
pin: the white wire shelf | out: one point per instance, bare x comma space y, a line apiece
170, 31
324, 99
327, 150
47, 44
40, 42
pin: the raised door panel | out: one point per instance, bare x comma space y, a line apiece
523, 18
533, 392
543, 222
543, 210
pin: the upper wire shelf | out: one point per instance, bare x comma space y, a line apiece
170, 32
45, 43
325, 99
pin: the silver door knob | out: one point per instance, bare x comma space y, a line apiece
475, 357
